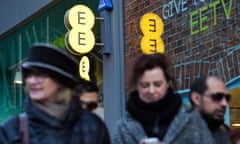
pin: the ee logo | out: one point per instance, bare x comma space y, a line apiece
152, 28
84, 67
79, 20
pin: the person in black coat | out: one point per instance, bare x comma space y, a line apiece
53, 113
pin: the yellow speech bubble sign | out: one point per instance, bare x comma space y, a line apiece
84, 67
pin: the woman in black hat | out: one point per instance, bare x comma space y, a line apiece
53, 114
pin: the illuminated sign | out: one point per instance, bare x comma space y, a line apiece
152, 28
84, 67
79, 20
80, 39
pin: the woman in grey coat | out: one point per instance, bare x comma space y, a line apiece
154, 110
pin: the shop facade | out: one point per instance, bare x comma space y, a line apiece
48, 24
200, 37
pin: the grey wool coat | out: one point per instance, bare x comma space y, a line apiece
186, 128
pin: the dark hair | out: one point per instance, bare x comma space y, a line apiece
148, 62
199, 85
85, 86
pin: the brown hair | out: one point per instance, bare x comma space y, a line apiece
148, 62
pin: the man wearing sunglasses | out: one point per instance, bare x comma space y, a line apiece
209, 97
88, 95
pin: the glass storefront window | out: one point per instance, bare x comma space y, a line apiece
46, 26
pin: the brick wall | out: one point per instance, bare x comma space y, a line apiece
214, 50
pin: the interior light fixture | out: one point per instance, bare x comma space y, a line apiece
18, 77
236, 124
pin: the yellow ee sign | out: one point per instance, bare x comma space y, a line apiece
152, 28
79, 40
84, 67
79, 21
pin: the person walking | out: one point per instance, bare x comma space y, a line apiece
210, 98
52, 114
87, 92
154, 110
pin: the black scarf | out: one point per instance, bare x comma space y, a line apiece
154, 117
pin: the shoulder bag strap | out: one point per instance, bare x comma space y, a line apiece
23, 128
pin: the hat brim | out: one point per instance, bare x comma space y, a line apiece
29, 65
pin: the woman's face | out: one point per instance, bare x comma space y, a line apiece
41, 87
152, 85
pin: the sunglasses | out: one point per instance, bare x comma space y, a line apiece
90, 105
219, 96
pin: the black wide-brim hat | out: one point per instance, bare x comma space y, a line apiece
53, 61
